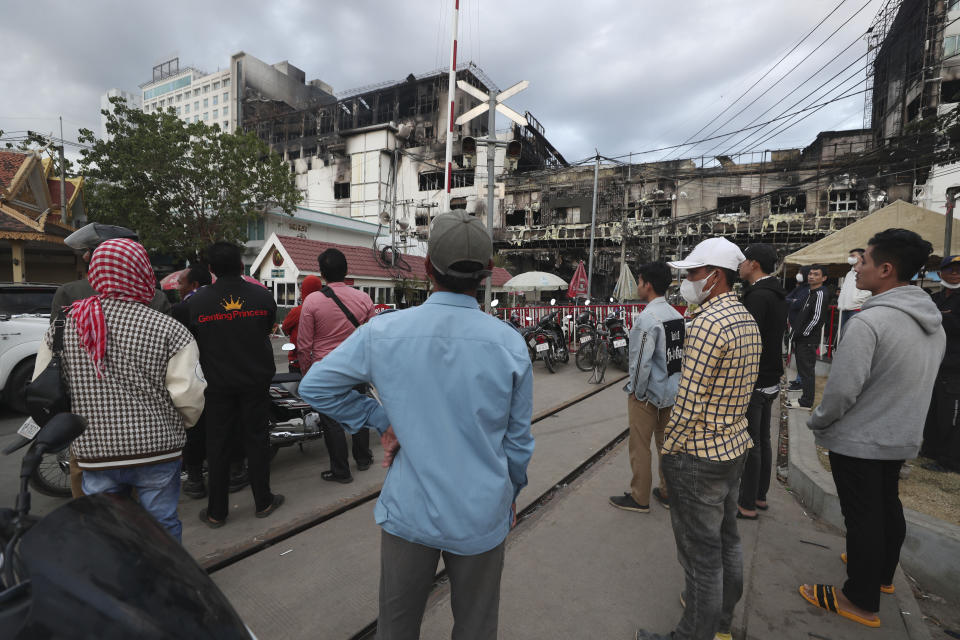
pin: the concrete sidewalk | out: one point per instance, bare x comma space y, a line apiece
582, 569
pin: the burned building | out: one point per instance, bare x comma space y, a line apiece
377, 153
788, 198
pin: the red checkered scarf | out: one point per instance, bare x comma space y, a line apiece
118, 269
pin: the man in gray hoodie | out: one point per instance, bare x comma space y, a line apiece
869, 430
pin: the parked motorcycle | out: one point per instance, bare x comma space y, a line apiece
618, 341
100, 566
549, 341
585, 334
292, 421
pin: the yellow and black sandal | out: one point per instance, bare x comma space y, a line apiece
885, 588
825, 597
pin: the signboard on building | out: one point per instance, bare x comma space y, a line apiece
277, 273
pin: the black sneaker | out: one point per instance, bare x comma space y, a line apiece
194, 489
795, 386
627, 503
795, 404
662, 499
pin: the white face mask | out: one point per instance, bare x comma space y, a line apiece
693, 291
800, 278
852, 261
947, 285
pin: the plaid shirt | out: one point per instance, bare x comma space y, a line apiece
721, 359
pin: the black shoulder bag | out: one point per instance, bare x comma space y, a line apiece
327, 291
48, 394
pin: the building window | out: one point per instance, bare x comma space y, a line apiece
216, 99
216, 85
163, 102
178, 110
206, 102
226, 126
204, 116
517, 218
846, 200
788, 202
431, 181
206, 88
733, 204
341, 190
226, 96
216, 113
255, 229
226, 110
196, 105
186, 108
196, 92
226, 82
194, 118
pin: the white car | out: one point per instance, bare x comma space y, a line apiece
24, 318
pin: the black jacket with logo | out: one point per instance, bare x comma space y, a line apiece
949, 306
812, 316
232, 320
766, 301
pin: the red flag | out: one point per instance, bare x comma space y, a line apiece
578, 284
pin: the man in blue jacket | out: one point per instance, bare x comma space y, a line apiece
656, 352
457, 393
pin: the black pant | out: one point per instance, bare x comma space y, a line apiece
237, 418
870, 501
806, 355
758, 466
941, 434
195, 450
335, 438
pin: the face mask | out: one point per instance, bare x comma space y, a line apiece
693, 291
800, 278
950, 286
852, 261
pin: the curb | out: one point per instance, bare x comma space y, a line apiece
931, 551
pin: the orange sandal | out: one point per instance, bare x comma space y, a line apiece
885, 588
825, 597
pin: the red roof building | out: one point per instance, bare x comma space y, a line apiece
285, 261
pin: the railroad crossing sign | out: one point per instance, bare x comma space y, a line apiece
485, 101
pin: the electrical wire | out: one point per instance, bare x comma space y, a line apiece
768, 72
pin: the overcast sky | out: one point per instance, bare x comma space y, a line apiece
617, 76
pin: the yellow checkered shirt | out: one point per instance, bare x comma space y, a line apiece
721, 359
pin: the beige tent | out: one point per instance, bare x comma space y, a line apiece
834, 248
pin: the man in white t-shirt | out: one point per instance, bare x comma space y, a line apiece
851, 299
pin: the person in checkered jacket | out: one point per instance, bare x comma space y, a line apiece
134, 374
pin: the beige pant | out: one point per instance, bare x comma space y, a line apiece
645, 421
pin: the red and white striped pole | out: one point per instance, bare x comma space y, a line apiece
451, 95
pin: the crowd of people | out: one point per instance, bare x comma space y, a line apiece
193, 385
710, 414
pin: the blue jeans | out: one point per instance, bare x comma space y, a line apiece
703, 511
157, 485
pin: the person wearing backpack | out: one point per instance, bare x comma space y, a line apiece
327, 318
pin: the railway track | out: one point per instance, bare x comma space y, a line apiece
251, 551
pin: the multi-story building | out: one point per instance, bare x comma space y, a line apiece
132, 99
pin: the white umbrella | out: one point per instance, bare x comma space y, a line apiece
535, 281
626, 284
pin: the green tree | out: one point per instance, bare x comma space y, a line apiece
181, 185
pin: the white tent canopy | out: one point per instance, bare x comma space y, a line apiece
535, 281
626, 284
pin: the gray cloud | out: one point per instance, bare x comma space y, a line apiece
618, 76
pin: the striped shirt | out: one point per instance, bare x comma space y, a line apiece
721, 359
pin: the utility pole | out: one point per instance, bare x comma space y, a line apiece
491, 169
626, 205
393, 204
63, 179
451, 97
593, 224
948, 223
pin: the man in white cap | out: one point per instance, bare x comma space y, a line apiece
706, 441
457, 392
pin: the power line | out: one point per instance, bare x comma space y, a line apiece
770, 70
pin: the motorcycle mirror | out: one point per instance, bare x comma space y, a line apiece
60, 431
553, 301
494, 302
586, 302
289, 346
611, 300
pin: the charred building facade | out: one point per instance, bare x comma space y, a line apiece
788, 198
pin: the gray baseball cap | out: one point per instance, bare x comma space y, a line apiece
89, 237
459, 237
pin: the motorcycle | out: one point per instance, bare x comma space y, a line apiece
549, 341
619, 349
100, 566
292, 421
587, 340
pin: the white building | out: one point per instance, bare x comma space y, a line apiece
132, 99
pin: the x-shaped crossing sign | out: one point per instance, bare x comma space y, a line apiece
485, 102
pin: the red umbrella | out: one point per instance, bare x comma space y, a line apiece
578, 283
169, 282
